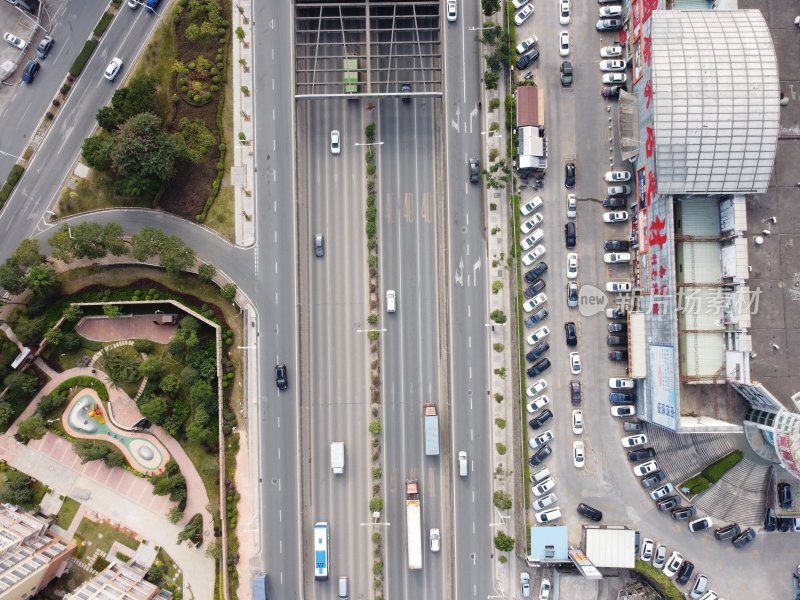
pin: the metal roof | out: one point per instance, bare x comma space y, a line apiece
610, 546
716, 99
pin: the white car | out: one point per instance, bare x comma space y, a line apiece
617, 176
664, 490
544, 590
578, 454
572, 206
535, 302
572, 265
620, 383
336, 145
541, 439
113, 68
618, 286
531, 206
544, 487
575, 363
530, 241
527, 43
645, 468
614, 258
610, 12
615, 216
627, 410
612, 64
615, 78
546, 516
532, 257
531, 224
563, 16
538, 335
660, 557
646, 553
619, 190
631, 441
523, 14
436, 539
537, 388
544, 502
452, 10
563, 43
537, 404
611, 51
525, 583
519, 3
577, 422
674, 563
18, 43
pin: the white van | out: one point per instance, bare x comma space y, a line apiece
540, 475
343, 587
391, 301
463, 464
337, 458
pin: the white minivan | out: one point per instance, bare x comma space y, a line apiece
391, 301
343, 587
463, 464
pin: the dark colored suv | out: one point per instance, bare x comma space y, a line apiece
539, 367
684, 512
589, 512
539, 315
726, 533
617, 340
616, 245
643, 454
653, 479
543, 418
685, 572
668, 503
575, 391
281, 378
569, 175
31, 69
570, 236
540, 455
618, 355
537, 351
533, 289
571, 333
614, 203
527, 59
536, 272
769, 519
405, 90
621, 397
744, 538
785, 495
566, 73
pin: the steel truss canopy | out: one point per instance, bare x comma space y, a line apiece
368, 49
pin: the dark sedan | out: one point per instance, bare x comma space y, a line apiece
527, 59
744, 538
569, 175
610, 91
536, 272
537, 351
684, 513
539, 368
618, 355
571, 334
668, 503
653, 479
617, 328
539, 315
533, 289
540, 455
541, 419
616, 245
614, 203
621, 397
617, 340
643, 454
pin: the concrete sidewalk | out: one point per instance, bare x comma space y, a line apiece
118, 505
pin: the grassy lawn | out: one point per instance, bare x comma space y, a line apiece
67, 513
102, 536
93, 193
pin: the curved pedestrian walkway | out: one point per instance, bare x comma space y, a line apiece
124, 413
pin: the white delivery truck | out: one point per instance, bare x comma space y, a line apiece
337, 458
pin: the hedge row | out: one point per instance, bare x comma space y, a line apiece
103, 24
658, 580
695, 485
13, 178
83, 57
717, 469
84, 381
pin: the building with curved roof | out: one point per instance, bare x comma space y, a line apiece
715, 94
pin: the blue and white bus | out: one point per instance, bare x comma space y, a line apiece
321, 540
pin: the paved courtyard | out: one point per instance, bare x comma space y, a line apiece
130, 327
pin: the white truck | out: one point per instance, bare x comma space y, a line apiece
413, 525
337, 458
431, 430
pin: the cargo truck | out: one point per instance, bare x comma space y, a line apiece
413, 525
431, 431
260, 586
337, 458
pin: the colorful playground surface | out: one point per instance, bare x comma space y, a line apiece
85, 418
